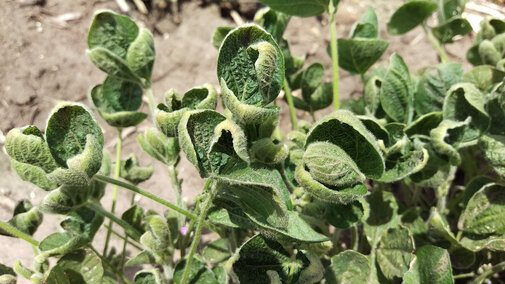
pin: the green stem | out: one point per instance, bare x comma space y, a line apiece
354, 238
176, 186
199, 226
464, 275
152, 197
150, 100
17, 233
125, 242
188, 233
127, 227
289, 98
112, 267
115, 233
334, 54
117, 172
436, 44
496, 268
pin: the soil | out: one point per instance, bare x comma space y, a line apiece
43, 61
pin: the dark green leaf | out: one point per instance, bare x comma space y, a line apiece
432, 265
217, 251
343, 216
494, 152
367, 26
410, 15
446, 31
199, 273
219, 34
82, 266
348, 267
300, 8
395, 252
274, 22
357, 55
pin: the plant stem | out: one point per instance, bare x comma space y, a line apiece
117, 171
464, 275
123, 252
17, 233
115, 233
199, 225
152, 197
289, 98
176, 186
334, 54
354, 238
112, 267
190, 229
496, 268
127, 227
150, 100
436, 44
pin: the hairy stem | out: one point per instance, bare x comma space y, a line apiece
176, 186
191, 226
17, 233
199, 226
115, 233
464, 275
354, 238
111, 266
123, 252
127, 227
150, 100
436, 44
496, 268
152, 197
117, 171
334, 54
289, 98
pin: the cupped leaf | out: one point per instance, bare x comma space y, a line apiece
343, 216
447, 137
488, 53
25, 218
424, 124
312, 77
376, 127
465, 100
148, 276
494, 152
272, 21
252, 65
483, 77
411, 162
397, 92
67, 131
431, 265
117, 101
300, 8
259, 255
156, 239
162, 148
219, 35
133, 172
65, 199
367, 26
357, 55
83, 222
345, 130
433, 86
59, 244
438, 225
410, 15
492, 243
118, 47
348, 267
199, 273
395, 252
446, 31
82, 266
330, 165
7, 275
479, 217
269, 152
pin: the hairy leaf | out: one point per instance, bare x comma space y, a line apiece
162, 148
272, 21
199, 273
132, 172
431, 265
148, 276
82, 266
343, 216
348, 267
216, 251
395, 252
494, 149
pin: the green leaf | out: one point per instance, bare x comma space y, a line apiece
449, 9
148, 276
83, 222
330, 165
357, 55
424, 124
312, 77
396, 93
269, 152
348, 267
25, 218
465, 100
216, 251
439, 226
433, 86
273, 22
395, 252
407, 164
382, 215
199, 273
492, 243
117, 102
367, 26
446, 139
371, 94
59, 244
82, 266
410, 15
494, 149
7, 275
65, 199
219, 34
67, 131
259, 254
483, 77
300, 8
346, 131
118, 47
57, 275
132, 172
229, 214
376, 127
446, 31
144, 257
252, 65
479, 217
135, 217
156, 239
488, 53
162, 148
473, 186
432, 265
344, 216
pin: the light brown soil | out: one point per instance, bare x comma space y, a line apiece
43, 61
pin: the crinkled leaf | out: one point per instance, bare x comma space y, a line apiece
135, 217
397, 92
229, 214
300, 8
25, 218
424, 124
58, 244
446, 31
473, 186
431, 265
148, 276
483, 77
140, 56
433, 86
133, 172
7, 275
348, 267
65, 199
252, 65
83, 222
438, 225
144, 257
269, 152
410, 163
410, 15
447, 137
156, 239
343, 216
494, 152
162, 148
395, 252
488, 53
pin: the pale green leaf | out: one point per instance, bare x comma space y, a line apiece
432, 265
395, 252
348, 267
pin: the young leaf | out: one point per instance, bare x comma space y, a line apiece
447, 137
252, 65
269, 152
367, 26
431, 265
156, 239
397, 92
410, 15
348, 267
397, 168
59, 244
446, 31
395, 252
483, 77
83, 222
132, 172
424, 124
25, 218
148, 276
118, 47
7, 275
273, 22
65, 199
117, 101
162, 148
479, 215
219, 35
300, 8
